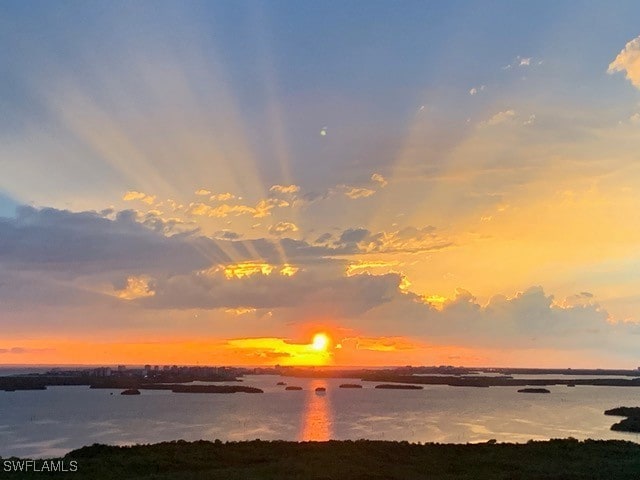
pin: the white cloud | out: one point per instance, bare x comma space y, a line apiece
628, 60
522, 62
501, 117
378, 178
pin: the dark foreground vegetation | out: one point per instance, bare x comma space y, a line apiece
629, 424
345, 460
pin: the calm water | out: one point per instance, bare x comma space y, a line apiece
54, 421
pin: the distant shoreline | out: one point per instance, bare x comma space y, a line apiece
151, 377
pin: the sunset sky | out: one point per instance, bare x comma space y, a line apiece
425, 183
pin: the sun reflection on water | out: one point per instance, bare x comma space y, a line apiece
317, 422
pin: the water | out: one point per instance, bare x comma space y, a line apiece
59, 419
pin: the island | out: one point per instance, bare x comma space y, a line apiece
350, 385
399, 387
629, 424
137, 378
534, 390
213, 389
291, 387
130, 391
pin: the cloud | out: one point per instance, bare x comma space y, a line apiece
530, 121
222, 197
380, 344
227, 235
324, 238
369, 265
353, 235
87, 242
167, 226
282, 228
285, 189
523, 62
136, 287
628, 60
379, 179
148, 271
279, 350
406, 240
22, 350
202, 192
318, 290
240, 311
501, 117
529, 319
261, 209
476, 90
635, 118
357, 192
143, 197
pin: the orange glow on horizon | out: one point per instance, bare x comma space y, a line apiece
269, 351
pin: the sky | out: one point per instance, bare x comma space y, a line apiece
425, 183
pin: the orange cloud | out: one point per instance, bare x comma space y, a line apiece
278, 350
143, 197
137, 287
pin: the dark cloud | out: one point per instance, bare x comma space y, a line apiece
227, 235
319, 289
324, 238
528, 319
88, 242
353, 235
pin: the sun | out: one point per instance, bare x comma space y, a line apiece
320, 342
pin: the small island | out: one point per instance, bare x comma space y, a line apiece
534, 390
214, 389
399, 387
629, 424
291, 387
350, 385
130, 391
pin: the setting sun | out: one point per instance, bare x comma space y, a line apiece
320, 342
